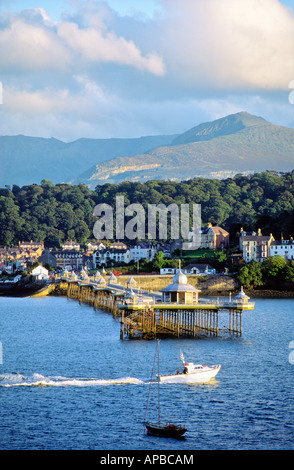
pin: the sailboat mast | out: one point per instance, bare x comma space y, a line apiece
158, 384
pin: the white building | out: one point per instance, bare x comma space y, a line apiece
168, 270
71, 245
255, 247
205, 269
180, 291
40, 273
110, 256
142, 251
284, 248
95, 246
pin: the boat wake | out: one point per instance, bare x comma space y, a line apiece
38, 380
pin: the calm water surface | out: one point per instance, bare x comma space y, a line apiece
67, 381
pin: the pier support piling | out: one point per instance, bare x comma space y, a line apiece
161, 319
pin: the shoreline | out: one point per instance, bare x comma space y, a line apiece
252, 293
214, 286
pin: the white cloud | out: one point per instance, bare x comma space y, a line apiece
229, 44
37, 103
32, 42
95, 73
100, 46
26, 46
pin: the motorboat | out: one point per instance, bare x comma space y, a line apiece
191, 373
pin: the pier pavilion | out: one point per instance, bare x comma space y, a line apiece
179, 311
180, 292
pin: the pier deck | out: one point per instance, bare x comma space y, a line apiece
145, 317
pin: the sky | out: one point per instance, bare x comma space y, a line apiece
130, 68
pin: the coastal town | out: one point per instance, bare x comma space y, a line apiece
253, 246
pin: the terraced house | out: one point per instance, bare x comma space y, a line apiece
212, 238
255, 246
110, 256
284, 248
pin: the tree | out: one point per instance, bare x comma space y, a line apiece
288, 272
10, 221
243, 277
158, 260
251, 275
82, 232
273, 267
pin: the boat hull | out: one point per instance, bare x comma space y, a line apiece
165, 430
201, 376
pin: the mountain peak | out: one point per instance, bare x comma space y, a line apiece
224, 126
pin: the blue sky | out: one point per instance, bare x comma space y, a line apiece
124, 7
128, 68
54, 7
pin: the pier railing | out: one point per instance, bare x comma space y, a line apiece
144, 316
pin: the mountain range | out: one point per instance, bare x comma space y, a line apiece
238, 143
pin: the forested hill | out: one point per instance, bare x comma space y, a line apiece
54, 213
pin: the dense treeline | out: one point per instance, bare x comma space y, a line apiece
274, 273
54, 213
46, 212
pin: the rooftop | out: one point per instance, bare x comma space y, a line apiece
180, 284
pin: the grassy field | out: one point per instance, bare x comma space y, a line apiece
201, 253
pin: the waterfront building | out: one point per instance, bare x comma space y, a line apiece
199, 268
40, 273
110, 256
70, 245
70, 259
180, 291
255, 246
142, 251
118, 246
168, 270
92, 246
23, 255
209, 237
30, 245
284, 248
192, 268
48, 258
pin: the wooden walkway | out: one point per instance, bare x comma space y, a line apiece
98, 298
162, 320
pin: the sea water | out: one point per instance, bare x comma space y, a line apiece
68, 382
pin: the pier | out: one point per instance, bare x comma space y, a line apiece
176, 311
184, 320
